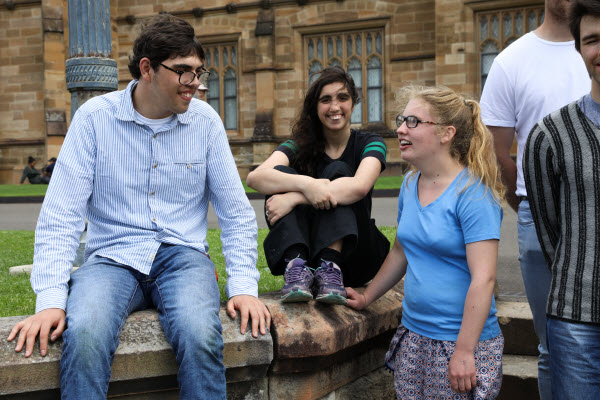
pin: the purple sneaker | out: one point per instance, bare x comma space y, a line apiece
298, 280
329, 284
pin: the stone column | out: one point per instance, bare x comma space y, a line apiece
265, 74
456, 56
55, 100
90, 69
262, 139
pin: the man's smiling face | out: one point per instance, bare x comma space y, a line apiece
168, 95
590, 50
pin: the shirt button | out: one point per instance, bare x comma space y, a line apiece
153, 219
189, 166
151, 258
154, 136
155, 165
151, 193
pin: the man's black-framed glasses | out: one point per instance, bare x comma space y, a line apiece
187, 77
412, 121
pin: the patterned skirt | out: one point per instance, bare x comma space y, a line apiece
420, 367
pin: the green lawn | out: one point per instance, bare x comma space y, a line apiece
22, 190
387, 182
16, 248
16, 296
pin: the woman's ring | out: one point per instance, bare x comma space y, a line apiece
267, 213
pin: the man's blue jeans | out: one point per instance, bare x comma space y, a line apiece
537, 278
102, 293
575, 362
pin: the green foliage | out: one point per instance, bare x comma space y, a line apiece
16, 248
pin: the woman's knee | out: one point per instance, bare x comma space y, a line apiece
336, 169
286, 169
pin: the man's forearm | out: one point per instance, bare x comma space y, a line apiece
56, 247
508, 170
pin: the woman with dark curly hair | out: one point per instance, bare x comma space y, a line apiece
319, 186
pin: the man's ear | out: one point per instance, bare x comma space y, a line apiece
146, 70
448, 133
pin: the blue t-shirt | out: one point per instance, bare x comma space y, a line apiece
434, 239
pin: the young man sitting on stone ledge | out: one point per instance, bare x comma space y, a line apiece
141, 165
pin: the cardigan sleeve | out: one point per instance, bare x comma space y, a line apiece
543, 189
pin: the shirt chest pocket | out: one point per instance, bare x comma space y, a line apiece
189, 173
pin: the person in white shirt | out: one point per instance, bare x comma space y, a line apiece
534, 76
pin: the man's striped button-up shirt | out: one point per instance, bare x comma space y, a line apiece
138, 189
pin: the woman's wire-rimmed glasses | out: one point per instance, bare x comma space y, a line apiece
412, 121
187, 77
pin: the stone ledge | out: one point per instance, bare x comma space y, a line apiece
519, 379
330, 346
376, 385
142, 353
320, 382
26, 269
309, 334
516, 323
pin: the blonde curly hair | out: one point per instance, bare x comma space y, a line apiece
473, 144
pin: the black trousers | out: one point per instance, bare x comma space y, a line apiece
364, 248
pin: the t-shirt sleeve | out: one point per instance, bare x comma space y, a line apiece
288, 148
374, 146
497, 99
479, 215
403, 190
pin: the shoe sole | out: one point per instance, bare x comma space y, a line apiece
296, 296
332, 299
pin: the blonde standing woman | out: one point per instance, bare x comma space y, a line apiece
449, 343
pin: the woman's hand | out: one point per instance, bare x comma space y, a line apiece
461, 371
318, 193
355, 300
278, 206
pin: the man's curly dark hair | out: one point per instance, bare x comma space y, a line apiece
163, 36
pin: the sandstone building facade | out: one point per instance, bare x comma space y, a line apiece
261, 55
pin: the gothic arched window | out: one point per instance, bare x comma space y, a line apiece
221, 61
361, 54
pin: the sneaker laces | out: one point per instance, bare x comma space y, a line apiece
331, 274
295, 273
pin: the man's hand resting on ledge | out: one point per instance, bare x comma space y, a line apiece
40, 323
250, 306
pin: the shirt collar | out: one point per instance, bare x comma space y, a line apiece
126, 112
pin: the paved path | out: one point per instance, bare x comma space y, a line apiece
24, 217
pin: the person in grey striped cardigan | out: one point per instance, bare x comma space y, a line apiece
562, 176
